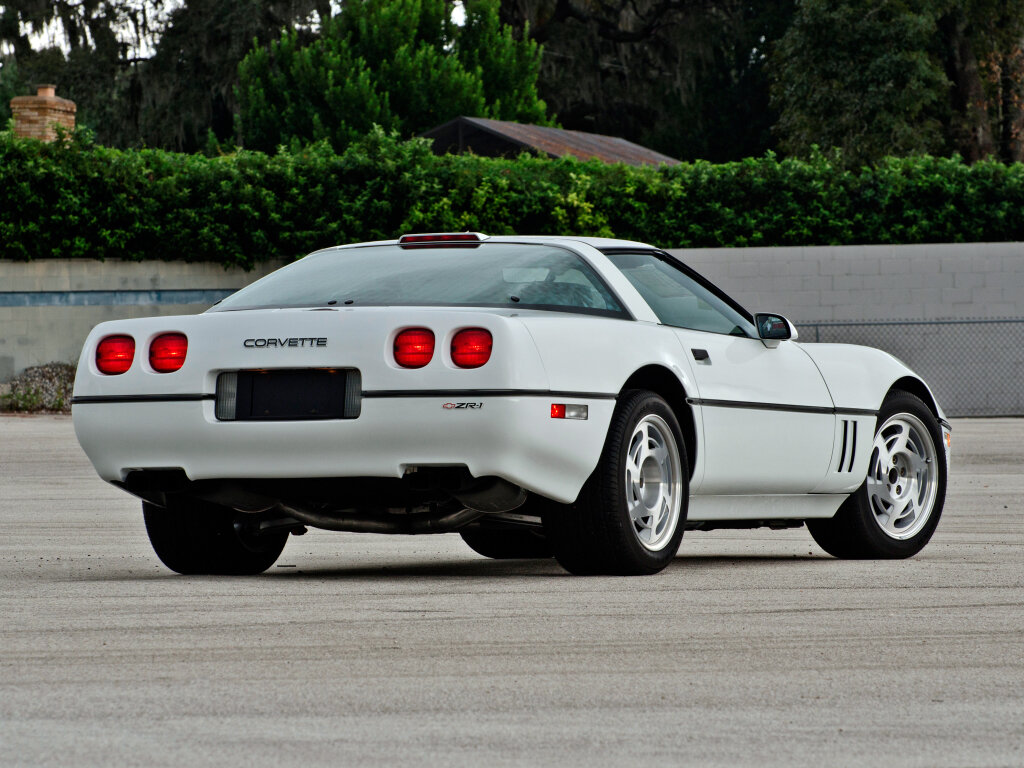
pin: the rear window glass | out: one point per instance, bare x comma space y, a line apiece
487, 275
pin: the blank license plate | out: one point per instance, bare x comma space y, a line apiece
288, 395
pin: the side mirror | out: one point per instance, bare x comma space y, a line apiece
772, 329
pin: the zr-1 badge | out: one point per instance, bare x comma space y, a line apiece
448, 406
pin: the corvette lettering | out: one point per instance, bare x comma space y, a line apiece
302, 341
449, 406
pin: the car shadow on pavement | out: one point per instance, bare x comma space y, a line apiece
514, 568
440, 569
444, 569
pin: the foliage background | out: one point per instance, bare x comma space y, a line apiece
400, 64
74, 199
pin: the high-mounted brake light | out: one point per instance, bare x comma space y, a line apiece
167, 352
442, 240
471, 347
414, 347
442, 237
114, 354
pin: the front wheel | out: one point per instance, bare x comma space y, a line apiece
194, 537
630, 515
895, 512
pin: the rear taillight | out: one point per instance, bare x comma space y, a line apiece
414, 347
115, 354
167, 352
471, 347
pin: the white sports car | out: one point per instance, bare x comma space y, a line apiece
582, 398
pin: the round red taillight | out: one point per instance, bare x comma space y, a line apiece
115, 354
471, 347
167, 352
414, 347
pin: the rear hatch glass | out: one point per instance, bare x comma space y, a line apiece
510, 275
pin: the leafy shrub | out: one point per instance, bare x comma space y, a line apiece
41, 388
72, 199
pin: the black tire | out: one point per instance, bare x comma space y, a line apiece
596, 535
194, 537
856, 531
507, 544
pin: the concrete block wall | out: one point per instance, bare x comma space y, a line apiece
48, 307
870, 282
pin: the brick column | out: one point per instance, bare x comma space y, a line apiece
35, 117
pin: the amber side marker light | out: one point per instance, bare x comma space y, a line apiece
114, 354
167, 352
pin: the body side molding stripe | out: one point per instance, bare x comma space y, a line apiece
486, 393
780, 407
140, 398
379, 393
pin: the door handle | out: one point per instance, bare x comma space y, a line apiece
701, 355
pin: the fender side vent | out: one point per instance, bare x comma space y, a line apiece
842, 451
853, 446
849, 447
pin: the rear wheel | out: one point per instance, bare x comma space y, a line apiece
507, 544
195, 537
630, 515
895, 512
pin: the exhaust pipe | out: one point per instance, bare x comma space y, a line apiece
377, 522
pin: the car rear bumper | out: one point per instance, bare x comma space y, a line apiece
511, 437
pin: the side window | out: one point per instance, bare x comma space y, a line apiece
679, 300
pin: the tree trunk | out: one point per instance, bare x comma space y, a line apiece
970, 128
1011, 122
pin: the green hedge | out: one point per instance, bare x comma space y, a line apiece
73, 199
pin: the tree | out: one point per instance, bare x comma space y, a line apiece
860, 79
91, 51
400, 64
144, 72
189, 83
685, 77
983, 59
902, 76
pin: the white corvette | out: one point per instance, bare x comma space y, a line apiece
584, 398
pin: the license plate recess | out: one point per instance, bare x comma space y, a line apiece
301, 394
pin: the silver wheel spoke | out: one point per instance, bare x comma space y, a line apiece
638, 512
903, 477
899, 445
652, 473
916, 465
884, 456
660, 454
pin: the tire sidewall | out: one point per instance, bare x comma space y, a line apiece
194, 537
634, 408
887, 546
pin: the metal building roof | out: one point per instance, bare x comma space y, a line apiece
500, 137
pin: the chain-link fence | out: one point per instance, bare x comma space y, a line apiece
975, 367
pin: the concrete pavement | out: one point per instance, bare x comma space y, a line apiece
753, 648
